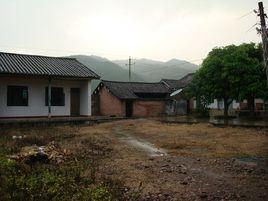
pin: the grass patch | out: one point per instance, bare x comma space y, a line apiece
77, 177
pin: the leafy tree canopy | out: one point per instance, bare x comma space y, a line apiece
230, 73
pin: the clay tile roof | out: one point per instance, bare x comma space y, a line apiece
178, 84
23, 64
130, 90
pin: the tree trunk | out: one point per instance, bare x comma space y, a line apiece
226, 106
251, 104
198, 103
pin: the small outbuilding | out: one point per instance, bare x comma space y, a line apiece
41, 86
130, 99
178, 104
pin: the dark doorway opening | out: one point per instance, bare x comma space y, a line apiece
129, 108
75, 101
188, 107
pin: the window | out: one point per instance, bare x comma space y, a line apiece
57, 96
17, 96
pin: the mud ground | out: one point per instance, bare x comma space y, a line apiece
168, 174
163, 161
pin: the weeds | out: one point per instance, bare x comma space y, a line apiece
74, 179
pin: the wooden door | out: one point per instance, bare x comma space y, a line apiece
75, 101
129, 108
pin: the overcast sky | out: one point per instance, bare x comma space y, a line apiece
154, 29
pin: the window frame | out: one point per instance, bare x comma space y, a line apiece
15, 96
57, 98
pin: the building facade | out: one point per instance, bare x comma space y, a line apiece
130, 99
38, 86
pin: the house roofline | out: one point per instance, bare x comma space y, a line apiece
35, 55
44, 76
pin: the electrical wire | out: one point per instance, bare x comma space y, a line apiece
245, 15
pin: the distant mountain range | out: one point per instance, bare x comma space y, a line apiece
144, 70
154, 71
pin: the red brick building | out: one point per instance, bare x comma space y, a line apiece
140, 99
129, 99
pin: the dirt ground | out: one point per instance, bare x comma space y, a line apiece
179, 161
194, 162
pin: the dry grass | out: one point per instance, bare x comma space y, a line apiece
182, 139
202, 139
112, 158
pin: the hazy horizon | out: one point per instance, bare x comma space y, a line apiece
114, 29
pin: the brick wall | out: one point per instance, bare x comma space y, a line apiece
148, 108
110, 105
258, 106
95, 104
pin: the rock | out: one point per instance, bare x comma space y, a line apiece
17, 137
184, 182
166, 165
203, 195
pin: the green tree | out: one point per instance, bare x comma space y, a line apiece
230, 73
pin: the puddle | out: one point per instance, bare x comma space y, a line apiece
252, 161
146, 146
242, 122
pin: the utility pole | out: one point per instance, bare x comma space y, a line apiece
129, 68
264, 33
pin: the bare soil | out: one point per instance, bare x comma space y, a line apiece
189, 162
176, 162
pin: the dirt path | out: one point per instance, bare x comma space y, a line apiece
140, 144
164, 176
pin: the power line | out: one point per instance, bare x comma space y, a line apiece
246, 14
251, 28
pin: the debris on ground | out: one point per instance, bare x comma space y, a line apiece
43, 154
14, 137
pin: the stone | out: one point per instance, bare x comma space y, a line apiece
184, 182
203, 195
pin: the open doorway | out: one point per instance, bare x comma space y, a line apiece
129, 108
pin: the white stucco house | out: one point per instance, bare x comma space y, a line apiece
41, 86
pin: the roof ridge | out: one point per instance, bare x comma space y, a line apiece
14, 63
34, 55
132, 82
189, 74
170, 79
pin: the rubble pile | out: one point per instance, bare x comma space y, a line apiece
43, 154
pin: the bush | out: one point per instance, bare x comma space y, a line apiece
202, 111
101, 193
46, 182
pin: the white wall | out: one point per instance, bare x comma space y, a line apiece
36, 97
220, 105
213, 105
85, 98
